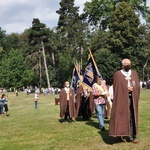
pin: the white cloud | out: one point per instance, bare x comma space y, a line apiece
81, 2
15, 27
17, 15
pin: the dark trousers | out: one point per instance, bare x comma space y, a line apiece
67, 114
85, 108
1, 108
132, 118
6, 107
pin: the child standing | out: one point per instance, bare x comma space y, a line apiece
4, 101
1, 106
36, 95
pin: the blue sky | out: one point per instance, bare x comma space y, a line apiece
17, 15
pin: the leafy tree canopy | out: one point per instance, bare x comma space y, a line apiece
14, 72
99, 11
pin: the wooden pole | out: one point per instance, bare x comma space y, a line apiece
94, 63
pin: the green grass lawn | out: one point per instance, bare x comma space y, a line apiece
40, 129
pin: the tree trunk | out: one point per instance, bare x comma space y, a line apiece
53, 59
40, 71
81, 55
45, 64
143, 70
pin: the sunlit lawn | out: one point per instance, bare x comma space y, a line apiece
40, 129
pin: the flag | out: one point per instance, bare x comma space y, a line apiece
91, 71
75, 78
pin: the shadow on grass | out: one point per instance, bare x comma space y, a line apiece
106, 121
95, 123
108, 139
104, 134
62, 120
80, 118
92, 123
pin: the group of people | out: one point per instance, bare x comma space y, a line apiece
85, 101
123, 102
4, 105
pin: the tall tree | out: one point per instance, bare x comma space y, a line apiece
105, 59
37, 36
124, 32
71, 30
127, 37
14, 72
70, 27
99, 11
144, 45
123, 38
2, 40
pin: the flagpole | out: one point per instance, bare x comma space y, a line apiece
81, 56
77, 71
72, 76
94, 63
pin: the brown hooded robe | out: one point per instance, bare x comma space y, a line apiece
79, 99
91, 103
120, 114
63, 103
80, 91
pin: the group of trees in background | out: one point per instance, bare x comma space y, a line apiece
45, 57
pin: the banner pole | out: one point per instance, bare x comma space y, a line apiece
94, 63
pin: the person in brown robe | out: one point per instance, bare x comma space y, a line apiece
124, 114
67, 105
78, 97
91, 104
84, 102
87, 104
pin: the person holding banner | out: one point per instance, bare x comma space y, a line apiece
67, 105
86, 113
84, 101
99, 94
78, 98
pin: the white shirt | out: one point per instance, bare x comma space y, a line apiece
67, 92
36, 96
111, 92
127, 75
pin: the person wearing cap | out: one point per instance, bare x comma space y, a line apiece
124, 114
